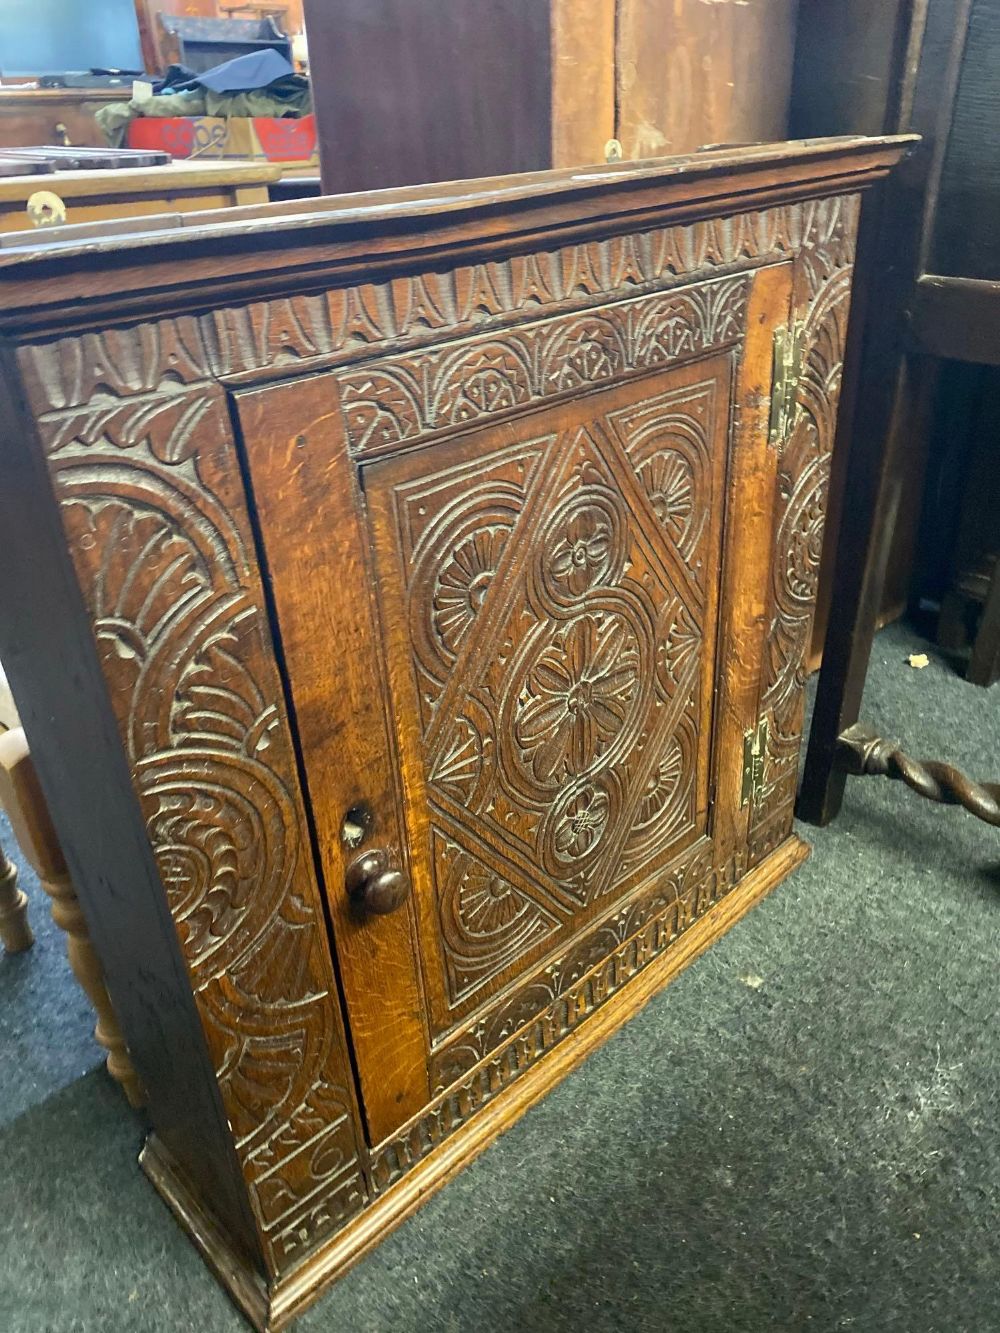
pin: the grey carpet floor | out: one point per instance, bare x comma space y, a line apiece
800, 1133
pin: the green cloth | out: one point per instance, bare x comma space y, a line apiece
281, 98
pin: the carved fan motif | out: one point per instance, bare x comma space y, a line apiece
486, 919
667, 800
669, 484
463, 583
661, 785
668, 443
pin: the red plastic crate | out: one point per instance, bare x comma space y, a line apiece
266, 138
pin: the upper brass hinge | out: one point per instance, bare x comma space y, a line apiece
754, 757
789, 342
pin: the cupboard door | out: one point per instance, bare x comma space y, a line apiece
501, 642
548, 603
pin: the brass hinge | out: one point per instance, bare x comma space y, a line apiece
788, 347
754, 756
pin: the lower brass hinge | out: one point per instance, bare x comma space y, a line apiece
754, 757
788, 348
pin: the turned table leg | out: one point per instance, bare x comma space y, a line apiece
15, 933
21, 796
67, 915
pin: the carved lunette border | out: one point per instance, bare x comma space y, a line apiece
140, 451
632, 940
401, 400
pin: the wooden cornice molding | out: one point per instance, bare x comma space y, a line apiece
115, 271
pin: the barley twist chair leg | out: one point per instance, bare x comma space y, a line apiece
15, 932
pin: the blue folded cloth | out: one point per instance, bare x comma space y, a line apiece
255, 70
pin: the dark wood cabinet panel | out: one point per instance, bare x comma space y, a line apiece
690, 73
963, 241
430, 90
845, 69
445, 572
470, 79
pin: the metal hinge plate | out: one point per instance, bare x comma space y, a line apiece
788, 347
754, 756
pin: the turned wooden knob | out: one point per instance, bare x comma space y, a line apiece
374, 887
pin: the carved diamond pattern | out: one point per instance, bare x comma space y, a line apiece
555, 618
486, 919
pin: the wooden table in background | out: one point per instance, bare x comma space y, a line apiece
181, 187
55, 115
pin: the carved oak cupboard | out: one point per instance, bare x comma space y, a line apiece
406, 599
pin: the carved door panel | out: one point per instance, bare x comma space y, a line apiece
547, 594
501, 632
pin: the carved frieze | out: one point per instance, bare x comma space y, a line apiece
348, 323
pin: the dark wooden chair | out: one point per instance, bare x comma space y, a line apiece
929, 258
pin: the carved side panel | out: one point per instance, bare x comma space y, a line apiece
141, 455
823, 272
